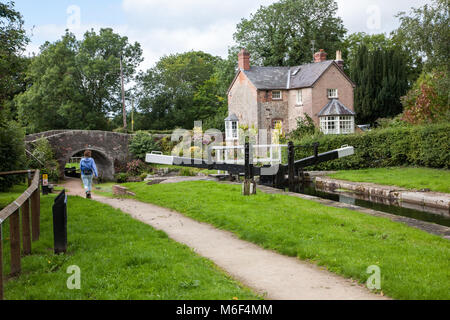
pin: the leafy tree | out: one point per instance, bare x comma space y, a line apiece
427, 101
13, 40
76, 84
179, 90
381, 78
280, 34
12, 43
424, 32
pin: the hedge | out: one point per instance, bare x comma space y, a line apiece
426, 146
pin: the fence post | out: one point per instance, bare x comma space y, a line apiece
1, 262
26, 232
14, 238
35, 214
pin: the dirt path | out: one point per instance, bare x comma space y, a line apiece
275, 276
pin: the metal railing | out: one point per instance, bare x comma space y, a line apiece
273, 156
21, 208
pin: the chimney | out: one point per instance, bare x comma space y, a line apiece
339, 60
320, 56
244, 60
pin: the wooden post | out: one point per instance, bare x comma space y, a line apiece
14, 238
26, 232
1, 262
35, 214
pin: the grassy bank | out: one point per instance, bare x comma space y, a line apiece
119, 258
7, 197
414, 264
410, 178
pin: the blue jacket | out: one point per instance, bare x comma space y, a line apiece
89, 163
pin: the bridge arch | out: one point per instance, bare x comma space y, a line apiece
105, 165
107, 148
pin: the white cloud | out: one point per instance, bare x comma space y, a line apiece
169, 26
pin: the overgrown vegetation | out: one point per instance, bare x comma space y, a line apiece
413, 263
120, 259
424, 146
43, 158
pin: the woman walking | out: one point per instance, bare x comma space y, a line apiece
88, 170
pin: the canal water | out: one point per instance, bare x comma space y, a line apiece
432, 215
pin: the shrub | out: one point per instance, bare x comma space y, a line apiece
426, 145
12, 155
143, 143
187, 172
43, 158
136, 167
305, 127
166, 145
121, 177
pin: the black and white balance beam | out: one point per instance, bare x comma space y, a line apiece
159, 158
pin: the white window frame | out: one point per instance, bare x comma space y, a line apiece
332, 93
277, 91
337, 124
231, 130
299, 97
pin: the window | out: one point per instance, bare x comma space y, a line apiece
276, 95
346, 124
337, 124
299, 97
231, 130
332, 93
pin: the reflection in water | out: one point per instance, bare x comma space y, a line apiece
438, 216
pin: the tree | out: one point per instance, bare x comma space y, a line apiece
427, 101
381, 79
12, 43
76, 84
281, 34
180, 89
425, 32
13, 40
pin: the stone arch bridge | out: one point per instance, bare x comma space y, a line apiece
108, 148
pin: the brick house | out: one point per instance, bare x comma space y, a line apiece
266, 97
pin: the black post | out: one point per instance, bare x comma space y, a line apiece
316, 149
60, 223
291, 164
247, 161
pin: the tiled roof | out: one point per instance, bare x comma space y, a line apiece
232, 117
268, 77
335, 108
272, 78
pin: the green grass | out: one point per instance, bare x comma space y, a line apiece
7, 197
410, 178
414, 264
120, 258
73, 165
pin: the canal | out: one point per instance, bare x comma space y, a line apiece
428, 214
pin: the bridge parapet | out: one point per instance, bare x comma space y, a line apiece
107, 147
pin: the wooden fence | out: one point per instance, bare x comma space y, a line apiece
21, 208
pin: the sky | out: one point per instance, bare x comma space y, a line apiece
164, 27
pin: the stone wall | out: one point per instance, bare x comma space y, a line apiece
107, 148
